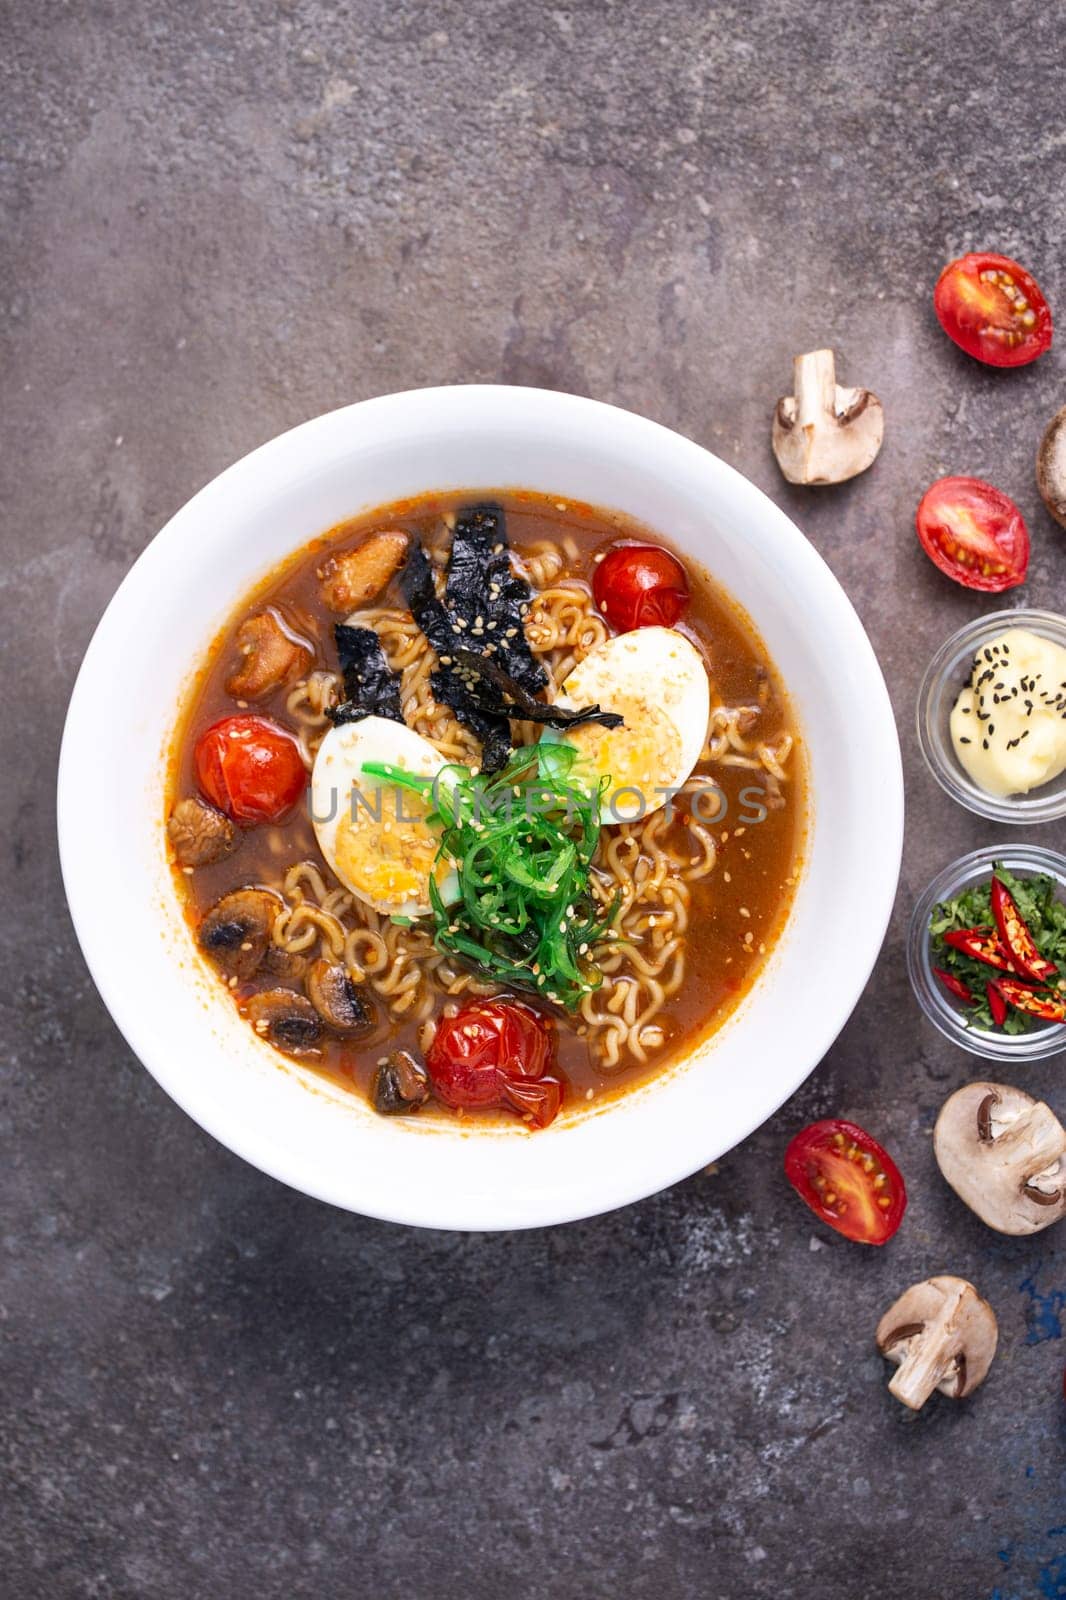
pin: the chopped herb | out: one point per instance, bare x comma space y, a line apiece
521, 841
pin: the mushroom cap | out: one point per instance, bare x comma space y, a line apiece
825, 433
942, 1335
336, 998
286, 1020
1051, 467
400, 1084
1004, 1154
199, 833
235, 933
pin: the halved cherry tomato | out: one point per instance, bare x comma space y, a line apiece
640, 586
250, 768
1047, 1007
848, 1180
996, 1003
954, 985
993, 309
495, 1053
1025, 956
974, 533
983, 944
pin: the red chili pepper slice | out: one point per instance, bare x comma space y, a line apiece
983, 944
996, 1003
954, 985
1021, 945
1048, 1007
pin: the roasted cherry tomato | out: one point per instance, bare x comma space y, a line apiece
996, 1003
993, 309
974, 533
640, 586
496, 1053
954, 985
1046, 1007
250, 768
1024, 954
848, 1180
983, 944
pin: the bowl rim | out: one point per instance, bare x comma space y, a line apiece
692, 1148
940, 677
1041, 1044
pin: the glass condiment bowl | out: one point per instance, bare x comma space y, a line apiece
943, 1010
949, 672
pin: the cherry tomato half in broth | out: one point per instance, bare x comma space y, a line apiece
974, 533
848, 1180
496, 1053
993, 309
250, 768
640, 586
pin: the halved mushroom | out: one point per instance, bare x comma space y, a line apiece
1051, 467
336, 998
199, 834
236, 931
1004, 1154
823, 433
400, 1084
941, 1335
271, 655
286, 1020
355, 577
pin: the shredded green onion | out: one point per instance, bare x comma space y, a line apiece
521, 841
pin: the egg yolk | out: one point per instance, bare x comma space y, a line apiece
641, 758
387, 852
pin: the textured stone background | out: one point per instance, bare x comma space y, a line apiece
220, 219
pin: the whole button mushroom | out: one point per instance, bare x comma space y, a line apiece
1051, 467
941, 1335
1004, 1154
824, 433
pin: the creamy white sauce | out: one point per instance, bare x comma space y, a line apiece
1008, 726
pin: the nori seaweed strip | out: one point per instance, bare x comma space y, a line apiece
416, 581
489, 596
448, 687
483, 612
498, 694
371, 688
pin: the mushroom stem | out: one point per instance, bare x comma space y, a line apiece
814, 382
930, 1356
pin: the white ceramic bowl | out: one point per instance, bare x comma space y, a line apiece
172, 1010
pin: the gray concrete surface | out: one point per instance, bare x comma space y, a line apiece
220, 219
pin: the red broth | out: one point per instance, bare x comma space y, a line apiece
735, 913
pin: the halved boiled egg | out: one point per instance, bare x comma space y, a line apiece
375, 834
656, 679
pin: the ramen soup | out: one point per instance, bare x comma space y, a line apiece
486, 806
